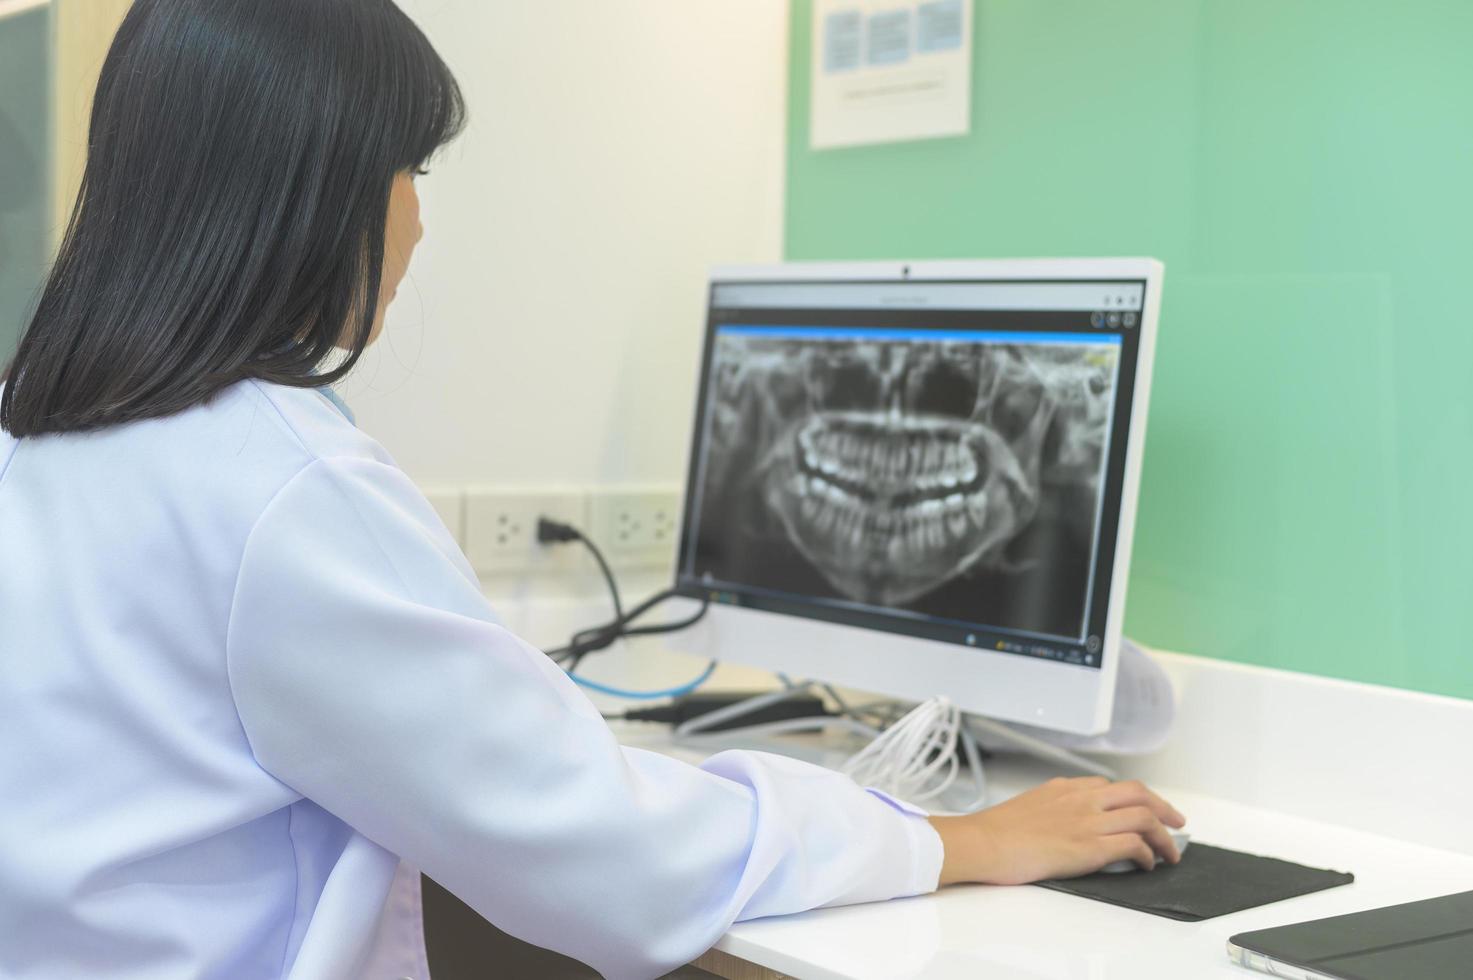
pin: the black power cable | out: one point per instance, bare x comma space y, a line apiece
600, 637
555, 532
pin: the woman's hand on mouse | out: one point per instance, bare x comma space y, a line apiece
1065, 827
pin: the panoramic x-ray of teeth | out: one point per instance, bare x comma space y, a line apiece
953, 478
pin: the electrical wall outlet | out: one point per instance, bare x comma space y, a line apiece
501, 528
636, 526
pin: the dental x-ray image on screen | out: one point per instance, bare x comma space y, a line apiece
958, 479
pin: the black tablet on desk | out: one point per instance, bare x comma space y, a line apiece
1427, 940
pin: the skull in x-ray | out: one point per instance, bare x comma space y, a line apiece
894, 466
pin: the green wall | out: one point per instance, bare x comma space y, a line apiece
25, 168
1305, 170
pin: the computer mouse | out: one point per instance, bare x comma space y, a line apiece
1180, 837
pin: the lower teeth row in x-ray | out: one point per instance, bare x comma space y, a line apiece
956, 479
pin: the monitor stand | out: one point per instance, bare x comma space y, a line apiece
1028, 745
987, 731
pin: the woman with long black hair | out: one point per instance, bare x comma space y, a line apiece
248, 683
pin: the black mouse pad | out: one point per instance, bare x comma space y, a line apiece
1209, 881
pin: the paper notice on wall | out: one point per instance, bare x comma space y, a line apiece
889, 70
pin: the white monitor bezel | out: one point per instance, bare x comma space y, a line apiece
1011, 687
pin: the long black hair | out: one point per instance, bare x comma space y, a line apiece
232, 213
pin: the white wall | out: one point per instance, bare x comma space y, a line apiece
549, 330
83, 31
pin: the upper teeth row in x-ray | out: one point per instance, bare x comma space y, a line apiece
890, 461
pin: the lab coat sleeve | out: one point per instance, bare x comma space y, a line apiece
370, 677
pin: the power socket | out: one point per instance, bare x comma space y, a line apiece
637, 527
501, 528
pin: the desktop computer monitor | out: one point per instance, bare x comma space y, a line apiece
920, 478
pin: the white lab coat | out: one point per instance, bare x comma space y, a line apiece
248, 684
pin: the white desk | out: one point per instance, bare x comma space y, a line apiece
1323, 772
1026, 933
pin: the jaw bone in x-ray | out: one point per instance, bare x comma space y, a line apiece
893, 467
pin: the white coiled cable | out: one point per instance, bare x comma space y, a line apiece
916, 758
